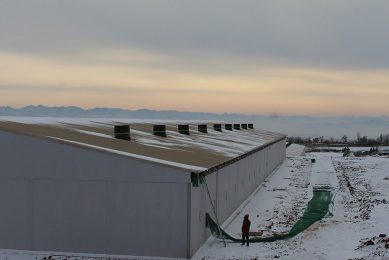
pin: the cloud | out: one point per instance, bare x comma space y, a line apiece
346, 34
140, 78
295, 57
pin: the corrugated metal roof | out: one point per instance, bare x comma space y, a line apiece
197, 151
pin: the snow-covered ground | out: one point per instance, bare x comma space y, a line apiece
359, 213
35, 255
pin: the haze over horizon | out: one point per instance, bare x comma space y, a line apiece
273, 115
304, 126
322, 58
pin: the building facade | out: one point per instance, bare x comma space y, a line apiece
70, 196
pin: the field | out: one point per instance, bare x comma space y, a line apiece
357, 226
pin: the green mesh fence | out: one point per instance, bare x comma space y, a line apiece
316, 209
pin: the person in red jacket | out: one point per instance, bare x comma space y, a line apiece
245, 229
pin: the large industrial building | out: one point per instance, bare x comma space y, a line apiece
125, 187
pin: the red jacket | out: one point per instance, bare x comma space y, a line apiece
246, 225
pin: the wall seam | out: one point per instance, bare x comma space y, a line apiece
189, 223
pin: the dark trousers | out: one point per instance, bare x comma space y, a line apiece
245, 237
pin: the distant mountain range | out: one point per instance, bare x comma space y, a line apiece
72, 111
304, 126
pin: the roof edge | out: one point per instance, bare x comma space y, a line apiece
240, 157
180, 166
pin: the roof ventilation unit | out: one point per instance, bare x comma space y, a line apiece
203, 129
237, 126
159, 130
183, 129
251, 126
122, 132
244, 126
228, 127
217, 127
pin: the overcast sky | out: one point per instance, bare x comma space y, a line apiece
258, 57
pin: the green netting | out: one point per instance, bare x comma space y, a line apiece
316, 209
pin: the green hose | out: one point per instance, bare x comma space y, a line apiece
316, 209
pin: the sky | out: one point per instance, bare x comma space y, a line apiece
265, 57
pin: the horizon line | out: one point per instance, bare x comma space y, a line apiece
273, 115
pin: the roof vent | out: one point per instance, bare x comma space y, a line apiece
244, 126
122, 132
217, 127
203, 129
251, 126
237, 126
228, 127
159, 130
183, 129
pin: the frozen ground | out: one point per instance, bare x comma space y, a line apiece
359, 213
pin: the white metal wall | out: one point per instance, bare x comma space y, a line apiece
64, 198
230, 186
